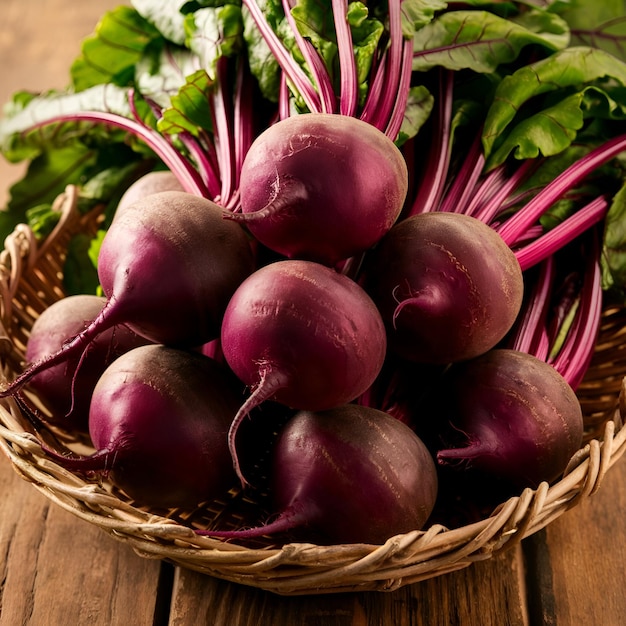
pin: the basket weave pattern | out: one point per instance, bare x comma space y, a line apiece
31, 280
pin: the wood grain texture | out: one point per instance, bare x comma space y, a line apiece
55, 570
488, 594
579, 561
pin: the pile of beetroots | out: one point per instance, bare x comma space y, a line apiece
383, 340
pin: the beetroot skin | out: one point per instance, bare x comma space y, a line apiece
514, 419
352, 474
447, 286
322, 187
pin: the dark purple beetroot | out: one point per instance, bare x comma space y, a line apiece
159, 420
447, 287
322, 187
66, 388
514, 420
348, 475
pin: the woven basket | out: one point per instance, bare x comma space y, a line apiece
31, 280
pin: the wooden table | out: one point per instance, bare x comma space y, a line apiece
57, 570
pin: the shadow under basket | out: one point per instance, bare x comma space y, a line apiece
31, 279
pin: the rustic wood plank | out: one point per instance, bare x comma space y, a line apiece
489, 593
56, 569
580, 560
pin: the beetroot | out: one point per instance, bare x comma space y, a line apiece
66, 388
302, 334
168, 266
148, 184
352, 474
514, 419
447, 286
321, 187
159, 420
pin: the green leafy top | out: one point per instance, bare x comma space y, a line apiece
482, 41
580, 81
